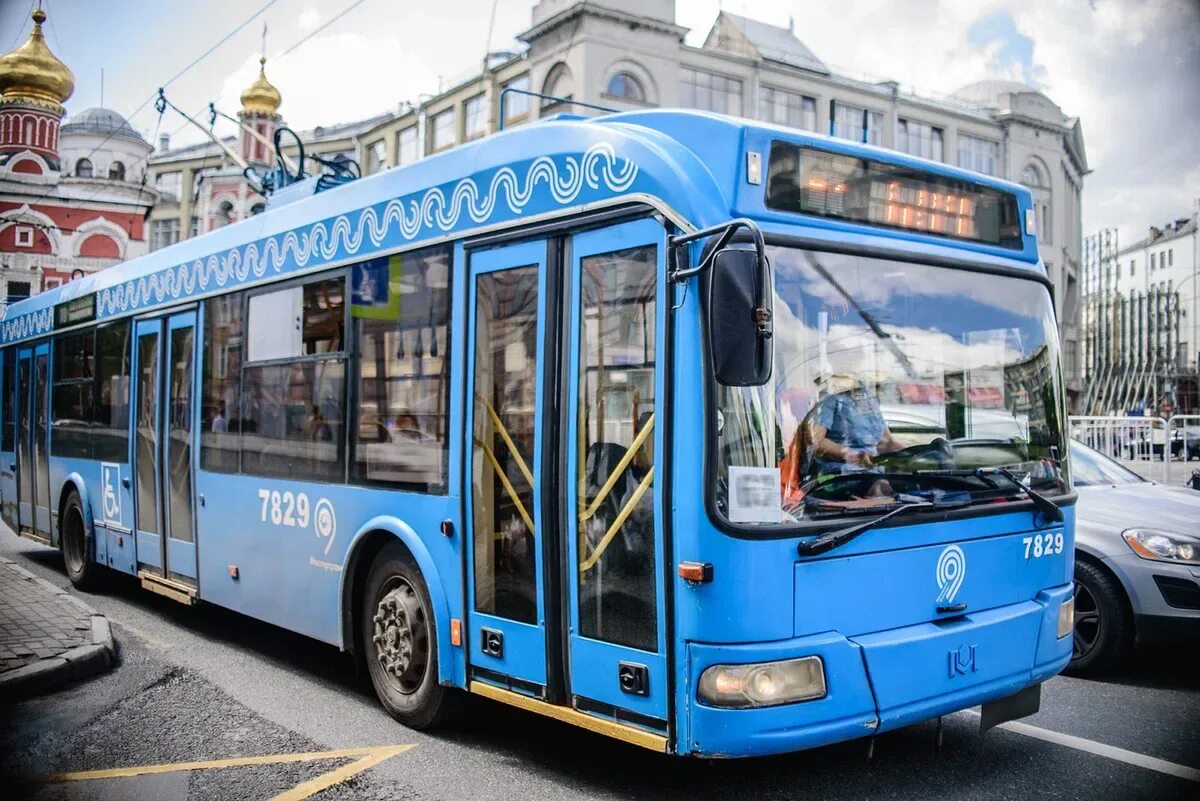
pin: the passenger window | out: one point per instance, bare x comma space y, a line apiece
505, 506
617, 600
110, 432
71, 401
221, 414
8, 402
401, 307
292, 410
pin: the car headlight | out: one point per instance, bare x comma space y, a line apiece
763, 684
1163, 546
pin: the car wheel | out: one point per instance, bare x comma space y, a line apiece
400, 642
1102, 632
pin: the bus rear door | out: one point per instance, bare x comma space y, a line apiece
164, 409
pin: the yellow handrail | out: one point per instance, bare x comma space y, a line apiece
588, 513
508, 487
512, 448
627, 510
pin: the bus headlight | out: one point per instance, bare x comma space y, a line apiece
1066, 617
764, 684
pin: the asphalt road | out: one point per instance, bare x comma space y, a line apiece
204, 683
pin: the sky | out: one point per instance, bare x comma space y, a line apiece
1129, 69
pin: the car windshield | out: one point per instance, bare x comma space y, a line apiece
1091, 468
892, 382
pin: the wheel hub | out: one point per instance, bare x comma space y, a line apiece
401, 638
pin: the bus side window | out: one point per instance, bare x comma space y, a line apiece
110, 433
222, 418
400, 306
294, 382
8, 429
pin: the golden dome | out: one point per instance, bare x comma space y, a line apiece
261, 97
32, 74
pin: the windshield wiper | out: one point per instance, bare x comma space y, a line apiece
1046, 506
836, 539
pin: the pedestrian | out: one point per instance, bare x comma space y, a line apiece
1194, 481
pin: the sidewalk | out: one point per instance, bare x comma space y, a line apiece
48, 637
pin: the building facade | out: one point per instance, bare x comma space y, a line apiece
630, 54
73, 196
1140, 325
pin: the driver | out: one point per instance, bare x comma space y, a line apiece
849, 431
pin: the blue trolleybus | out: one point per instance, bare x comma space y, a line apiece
715, 437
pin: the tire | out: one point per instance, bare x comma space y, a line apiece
399, 642
1103, 630
84, 573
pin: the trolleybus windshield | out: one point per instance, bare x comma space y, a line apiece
892, 382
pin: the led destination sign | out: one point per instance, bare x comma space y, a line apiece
811, 181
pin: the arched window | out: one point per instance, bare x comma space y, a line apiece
1032, 176
625, 86
116, 171
558, 84
83, 169
224, 214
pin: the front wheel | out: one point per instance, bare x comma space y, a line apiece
1102, 631
400, 642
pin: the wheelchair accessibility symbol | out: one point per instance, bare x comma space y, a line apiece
110, 477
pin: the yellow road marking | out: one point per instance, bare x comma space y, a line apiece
369, 757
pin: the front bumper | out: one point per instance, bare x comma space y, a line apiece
882, 681
1156, 621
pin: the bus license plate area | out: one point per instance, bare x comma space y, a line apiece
922, 671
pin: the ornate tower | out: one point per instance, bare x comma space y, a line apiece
260, 111
33, 86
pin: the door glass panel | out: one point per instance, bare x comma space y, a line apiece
24, 435
179, 433
147, 452
617, 599
40, 430
506, 370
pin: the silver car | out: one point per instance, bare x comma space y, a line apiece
1137, 561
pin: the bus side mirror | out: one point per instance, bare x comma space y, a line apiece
740, 318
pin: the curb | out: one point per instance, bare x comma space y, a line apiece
78, 663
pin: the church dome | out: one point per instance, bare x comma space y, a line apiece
261, 97
102, 121
986, 94
32, 74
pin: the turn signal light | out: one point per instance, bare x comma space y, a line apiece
699, 572
1066, 617
455, 632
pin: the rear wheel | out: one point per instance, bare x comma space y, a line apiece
400, 642
72, 529
1102, 625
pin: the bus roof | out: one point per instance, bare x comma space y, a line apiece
689, 164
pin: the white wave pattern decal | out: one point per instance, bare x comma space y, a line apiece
433, 211
28, 325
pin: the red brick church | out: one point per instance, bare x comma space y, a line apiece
73, 194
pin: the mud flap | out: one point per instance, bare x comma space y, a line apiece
1011, 707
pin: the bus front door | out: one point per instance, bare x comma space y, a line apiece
164, 409
506, 629
33, 442
615, 556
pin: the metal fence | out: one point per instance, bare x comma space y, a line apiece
1155, 448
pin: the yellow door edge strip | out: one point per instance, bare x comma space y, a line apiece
627, 510
508, 487
609, 728
618, 471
